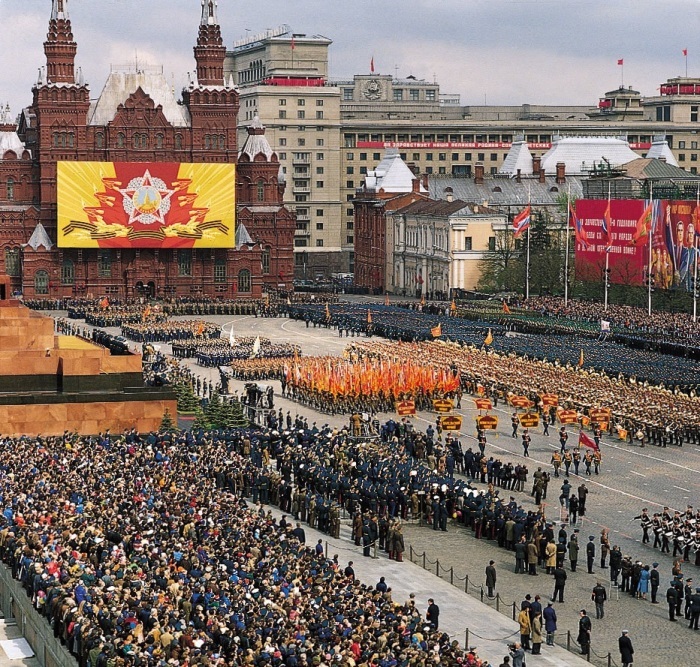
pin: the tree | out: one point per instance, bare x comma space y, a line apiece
187, 402
503, 267
167, 425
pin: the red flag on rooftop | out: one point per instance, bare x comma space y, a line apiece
621, 61
371, 65
685, 52
586, 441
293, 45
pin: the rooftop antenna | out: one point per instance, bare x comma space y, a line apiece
396, 71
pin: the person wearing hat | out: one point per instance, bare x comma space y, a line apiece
590, 553
584, 633
654, 580
550, 623
687, 595
626, 649
695, 609
672, 599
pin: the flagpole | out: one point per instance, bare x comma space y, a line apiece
607, 254
527, 261
651, 236
566, 254
695, 271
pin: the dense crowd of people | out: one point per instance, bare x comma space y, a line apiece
171, 330
140, 550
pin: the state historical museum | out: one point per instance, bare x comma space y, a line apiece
138, 193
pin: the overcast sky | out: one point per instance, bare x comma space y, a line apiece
498, 51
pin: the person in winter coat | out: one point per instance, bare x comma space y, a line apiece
551, 556
398, 544
532, 558
490, 579
525, 629
626, 649
536, 628
550, 623
573, 552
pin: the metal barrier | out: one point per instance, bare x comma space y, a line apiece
502, 606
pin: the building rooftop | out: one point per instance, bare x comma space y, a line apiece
660, 149
121, 83
256, 142
391, 175
518, 158
579, 154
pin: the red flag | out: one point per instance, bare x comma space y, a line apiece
506, 310
607, 225
371, 65
293, 45
685, 52
521, 222
579, 231
621, 61
643, 225
586, 441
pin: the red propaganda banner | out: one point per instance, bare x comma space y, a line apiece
405, 408
549, 400
671, 225
483, 404
520, 401
567, 416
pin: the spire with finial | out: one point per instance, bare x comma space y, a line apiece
210, 51
59, 47
209, 8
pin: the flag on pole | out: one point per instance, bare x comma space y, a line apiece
521, 222
580, 359
453, 308
293, 44
489, 338
369, 316
586, 441
328, 313
371, 65
685, 52
436, 331
104, 303
579, 231
506, 310
231, 338
386, 299
621, 61
606, 226
422, 299
200, 328
644, 225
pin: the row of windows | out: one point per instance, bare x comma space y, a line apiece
301, 114
301, 243
41, 278
351, 139
301, 102
282, 141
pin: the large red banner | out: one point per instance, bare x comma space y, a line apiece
673, 254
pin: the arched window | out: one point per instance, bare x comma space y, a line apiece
207, 142
99, 140
261, 190
220, 270
244, 280
120, 140
178, 141
12, 261
70, 139
67, 272
41, 282
265, 260
159, 141
222, 142
10, 189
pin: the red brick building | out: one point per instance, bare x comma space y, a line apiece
137, 118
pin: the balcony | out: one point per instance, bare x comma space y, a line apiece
301, 161
301, 189
302, 232
303, 217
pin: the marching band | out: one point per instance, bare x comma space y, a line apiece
672, 528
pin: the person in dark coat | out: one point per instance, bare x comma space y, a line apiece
550, 623
559, 583
584, 633
626, 649
433, 613
490, 579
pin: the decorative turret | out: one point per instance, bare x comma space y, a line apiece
59, 47
210, 51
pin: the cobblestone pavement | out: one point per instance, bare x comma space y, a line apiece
631, 478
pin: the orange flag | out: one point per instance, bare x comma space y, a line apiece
436, 331
506, 310
369, 316
580, 359
386, 299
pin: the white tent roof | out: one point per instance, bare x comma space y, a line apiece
391, 175
121, 84
579, 154
39, 238
256, 142
519, 157
659, 149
